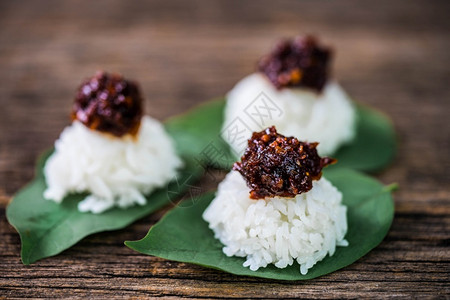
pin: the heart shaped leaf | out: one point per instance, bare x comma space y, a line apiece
182, 235
47, 228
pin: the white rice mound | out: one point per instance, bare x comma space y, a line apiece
327, 118
116, 171
278, 230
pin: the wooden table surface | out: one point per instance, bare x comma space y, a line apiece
392, 55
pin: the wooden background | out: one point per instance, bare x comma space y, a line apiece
393, 55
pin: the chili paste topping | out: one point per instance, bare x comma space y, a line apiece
276, 165
110, 104
297, 62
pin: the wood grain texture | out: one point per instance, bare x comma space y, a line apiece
392, 55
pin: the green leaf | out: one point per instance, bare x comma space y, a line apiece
182, 235
197, 134
374, 146
198, 131
47, 228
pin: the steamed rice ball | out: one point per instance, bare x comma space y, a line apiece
275, 208
110, 150
292, 91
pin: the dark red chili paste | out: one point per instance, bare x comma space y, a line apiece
275, 165
297, 62
109, 103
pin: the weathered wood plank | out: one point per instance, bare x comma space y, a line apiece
391, 55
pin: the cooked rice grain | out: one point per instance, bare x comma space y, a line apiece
278, 230
254, 104
116, 171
